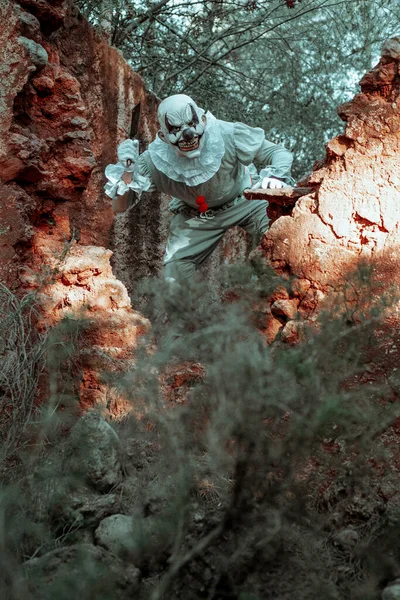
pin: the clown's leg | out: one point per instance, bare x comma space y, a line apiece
251, 215
255, 221
254, 218
190, 242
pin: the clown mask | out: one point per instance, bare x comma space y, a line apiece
182, 125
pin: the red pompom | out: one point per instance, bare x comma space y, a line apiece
200, 200
203, 207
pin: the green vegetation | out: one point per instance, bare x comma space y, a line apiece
246, 471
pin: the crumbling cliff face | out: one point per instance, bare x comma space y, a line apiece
66, 102
353, 211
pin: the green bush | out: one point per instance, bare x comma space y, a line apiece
250, 471
22, 359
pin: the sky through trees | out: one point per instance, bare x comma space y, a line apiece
278, 64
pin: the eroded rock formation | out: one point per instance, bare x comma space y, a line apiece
353, 211
66, 102
97, 322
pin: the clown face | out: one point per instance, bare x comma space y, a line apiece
182, 125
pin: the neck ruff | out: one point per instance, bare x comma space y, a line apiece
192, 171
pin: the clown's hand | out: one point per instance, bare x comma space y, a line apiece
125, 175
270, 183
128, 153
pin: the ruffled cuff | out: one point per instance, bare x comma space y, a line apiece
272, 171
115, 186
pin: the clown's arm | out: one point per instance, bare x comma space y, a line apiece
130, 173
274, 160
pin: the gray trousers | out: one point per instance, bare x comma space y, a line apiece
192, 238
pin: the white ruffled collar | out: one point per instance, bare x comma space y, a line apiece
192, 171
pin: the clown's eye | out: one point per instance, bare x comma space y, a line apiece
191, 124
174, 130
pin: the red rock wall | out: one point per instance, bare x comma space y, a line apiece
67, 99
65, 103
98, 329
353, 212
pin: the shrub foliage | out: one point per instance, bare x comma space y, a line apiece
250, 471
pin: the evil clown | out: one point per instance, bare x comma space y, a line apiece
204, 164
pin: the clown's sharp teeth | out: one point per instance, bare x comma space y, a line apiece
188, 145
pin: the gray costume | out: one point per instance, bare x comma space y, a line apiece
219, 174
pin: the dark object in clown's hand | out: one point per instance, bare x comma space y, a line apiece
286, 196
